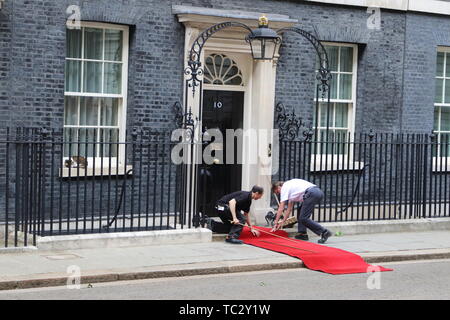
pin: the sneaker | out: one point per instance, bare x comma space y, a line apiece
302, 236
324, 236
233, 241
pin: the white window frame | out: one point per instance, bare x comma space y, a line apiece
331, 162
122, 108
441, 163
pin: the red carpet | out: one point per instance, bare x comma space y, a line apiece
314, 256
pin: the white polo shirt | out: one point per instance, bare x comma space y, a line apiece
293, 190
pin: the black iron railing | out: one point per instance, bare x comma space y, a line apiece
53, 185
372, 176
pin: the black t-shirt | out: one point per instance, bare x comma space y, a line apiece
243, 200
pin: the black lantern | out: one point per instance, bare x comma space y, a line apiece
263, 41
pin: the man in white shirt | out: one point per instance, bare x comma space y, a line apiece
298, 190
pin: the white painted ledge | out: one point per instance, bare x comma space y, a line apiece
386, 4
124, 239
427, 6
232, 14
430, 6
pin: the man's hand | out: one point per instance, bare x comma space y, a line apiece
235, 221
255, 232
277, 226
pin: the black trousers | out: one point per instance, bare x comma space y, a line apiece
233, 230
312, 197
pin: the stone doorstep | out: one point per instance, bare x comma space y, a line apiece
14, 250
124, 239
99, 276
389, 226
381, 226
370, 227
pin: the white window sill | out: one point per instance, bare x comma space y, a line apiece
441, 166
325, 166
94, 172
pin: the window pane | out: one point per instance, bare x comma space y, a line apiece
439, 90
73, 76
332, 57
440, 64
235, 80
113, 78
113, 45
345, 86
87, 148
89, 111
209, 69
217, 62
109, 112
346, 59
341, 115
445, 145
226, 64
436, 119
93, 43
321, 137
341, 135
73, 43
447, 91
447, 65
112, 137
70, 137
323, 114
340, 139
70, 110
333, 86
92, 77
445, 119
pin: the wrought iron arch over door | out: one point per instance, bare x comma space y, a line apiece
195, 78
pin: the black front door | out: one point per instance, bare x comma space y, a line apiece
221, 110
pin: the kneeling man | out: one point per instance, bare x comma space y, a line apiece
229, 208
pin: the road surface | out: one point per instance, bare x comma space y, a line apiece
409, 280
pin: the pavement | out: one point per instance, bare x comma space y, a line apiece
39, 268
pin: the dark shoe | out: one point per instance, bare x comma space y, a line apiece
204, 220
209, 223
302, 236
324, 236
233, 241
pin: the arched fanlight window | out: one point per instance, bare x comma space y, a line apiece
221, 70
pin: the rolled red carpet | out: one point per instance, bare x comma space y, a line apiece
314, 256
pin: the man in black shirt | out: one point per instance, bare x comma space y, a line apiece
229, 209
